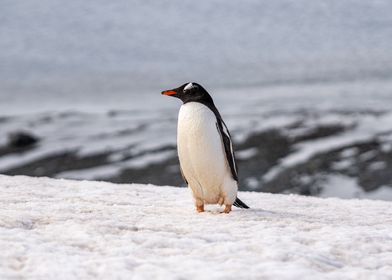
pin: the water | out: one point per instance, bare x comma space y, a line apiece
100, 47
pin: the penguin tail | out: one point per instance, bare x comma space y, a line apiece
238, 203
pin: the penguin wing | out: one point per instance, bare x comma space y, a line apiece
228, 145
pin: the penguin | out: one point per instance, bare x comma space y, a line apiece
205, 150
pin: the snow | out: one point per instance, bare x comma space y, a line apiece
378, 165
350, 152
343, 164
61, 229
246, 154
346, 187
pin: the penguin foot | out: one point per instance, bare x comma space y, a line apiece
200, 208
227, 209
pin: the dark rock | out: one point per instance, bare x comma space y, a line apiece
57, 163
320, 132
271, 146
21, 139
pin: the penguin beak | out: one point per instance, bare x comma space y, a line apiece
170, 92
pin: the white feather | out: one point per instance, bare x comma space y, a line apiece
188, 86
202, 156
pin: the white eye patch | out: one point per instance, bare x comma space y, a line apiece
189, 86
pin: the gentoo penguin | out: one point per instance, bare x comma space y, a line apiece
205, 149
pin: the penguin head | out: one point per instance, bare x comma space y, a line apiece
190, 92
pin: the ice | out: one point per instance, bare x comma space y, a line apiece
94, 230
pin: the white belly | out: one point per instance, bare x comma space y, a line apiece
202, 157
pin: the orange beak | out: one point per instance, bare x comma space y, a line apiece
168, 92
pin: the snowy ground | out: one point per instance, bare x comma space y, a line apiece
59, 229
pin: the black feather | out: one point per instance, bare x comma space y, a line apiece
230, 157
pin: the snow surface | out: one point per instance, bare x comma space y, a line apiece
61, 229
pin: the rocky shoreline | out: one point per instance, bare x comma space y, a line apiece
369, 162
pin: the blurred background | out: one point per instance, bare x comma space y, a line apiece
305, 88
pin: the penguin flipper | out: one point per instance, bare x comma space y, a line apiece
228, 146
238, 203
